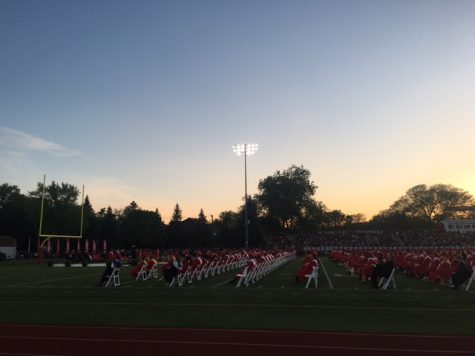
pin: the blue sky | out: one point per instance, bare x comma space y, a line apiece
143, 99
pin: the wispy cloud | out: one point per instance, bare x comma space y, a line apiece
13, 140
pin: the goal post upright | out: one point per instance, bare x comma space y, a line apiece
82, 211
42, 206
40, 245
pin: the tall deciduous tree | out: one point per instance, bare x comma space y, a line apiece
432, 203
61, 215
16, 212
57, 194
285, 195
8, 194
335, 218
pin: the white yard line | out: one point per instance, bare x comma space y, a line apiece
222, 283
326, 274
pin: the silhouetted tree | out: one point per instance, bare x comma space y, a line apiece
432, 203
285, 195
335, 218
61, 215
108, 228
177, 214
131, 207
202, 217
90, 220
142, 228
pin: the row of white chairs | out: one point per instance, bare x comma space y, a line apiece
209, 269
148, 271
252, 273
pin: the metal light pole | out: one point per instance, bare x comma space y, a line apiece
245, 149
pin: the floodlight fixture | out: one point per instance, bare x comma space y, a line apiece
246, 149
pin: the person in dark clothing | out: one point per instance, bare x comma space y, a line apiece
381, 270
173, 269
463, 272
107, 273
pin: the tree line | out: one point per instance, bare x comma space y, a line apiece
285, 202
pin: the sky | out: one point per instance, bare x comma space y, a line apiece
143, 100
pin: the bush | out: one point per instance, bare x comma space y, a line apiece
50, 264
85, 263
3, 257
68, 263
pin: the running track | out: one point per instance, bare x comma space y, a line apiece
27, 340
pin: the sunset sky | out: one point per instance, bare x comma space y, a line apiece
143, 100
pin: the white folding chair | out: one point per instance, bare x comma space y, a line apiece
142, 273
470, 281
242, 277
384, 282
152, 272
114, 278
312, 276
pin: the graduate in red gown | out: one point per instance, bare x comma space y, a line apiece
309, 263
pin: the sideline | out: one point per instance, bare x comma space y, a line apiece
236, 305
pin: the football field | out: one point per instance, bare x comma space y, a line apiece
41, 295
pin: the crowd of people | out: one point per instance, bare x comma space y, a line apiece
436, 257
369, 265
442, 266
327, 241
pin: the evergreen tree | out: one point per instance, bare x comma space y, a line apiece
177, 214
131, 207
202, 217
90, 220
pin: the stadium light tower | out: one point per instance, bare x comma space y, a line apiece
245, 150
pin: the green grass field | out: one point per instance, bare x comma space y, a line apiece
33, 294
